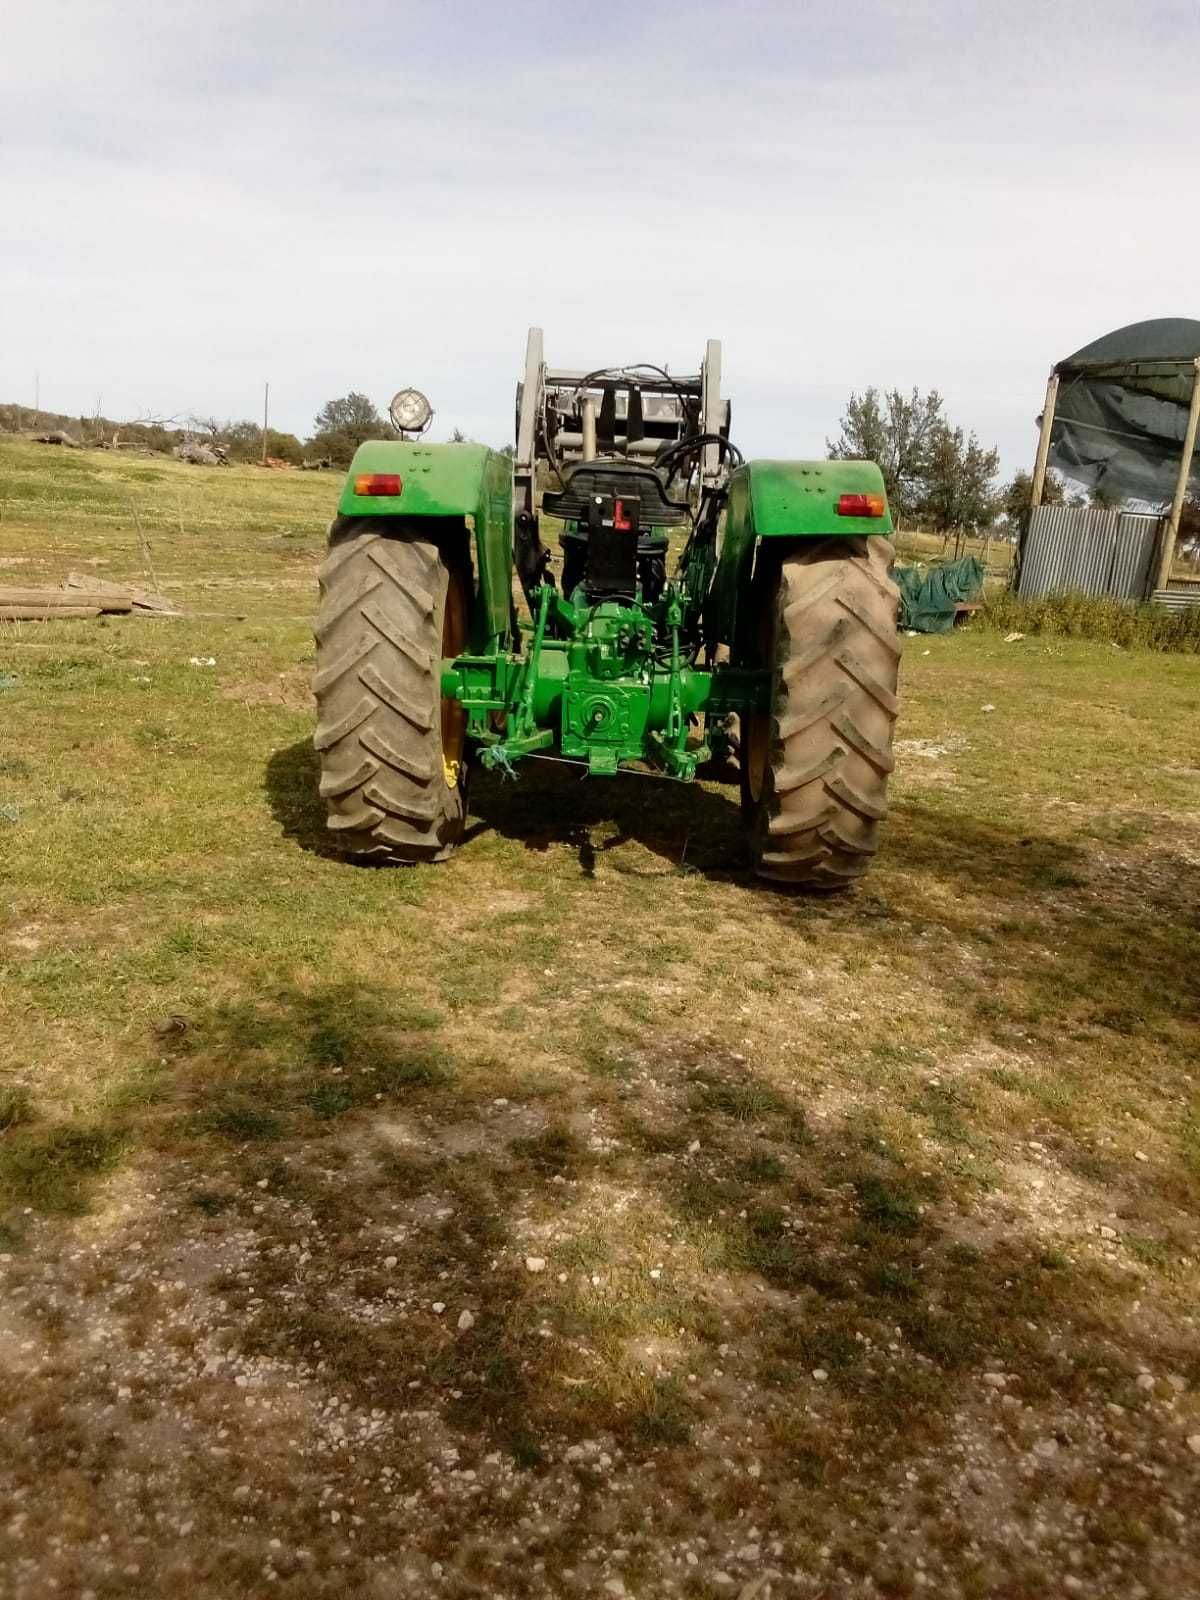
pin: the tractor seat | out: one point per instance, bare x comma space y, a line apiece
617, 476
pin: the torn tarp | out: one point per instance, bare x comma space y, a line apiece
1122, 409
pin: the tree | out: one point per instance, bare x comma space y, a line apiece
960, 477
341, 426
1102, 499
1015, 497
896, 432
243, 440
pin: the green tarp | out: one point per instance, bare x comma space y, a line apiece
929, 595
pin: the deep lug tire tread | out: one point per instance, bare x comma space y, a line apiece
379, 732
836, 654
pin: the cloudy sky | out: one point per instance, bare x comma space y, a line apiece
200, 196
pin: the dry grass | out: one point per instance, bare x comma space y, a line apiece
1072, 615
868, 1225
915, 545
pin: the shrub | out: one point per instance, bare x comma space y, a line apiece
1072, 615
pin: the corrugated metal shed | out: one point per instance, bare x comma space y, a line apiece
1094, 552
1177, 599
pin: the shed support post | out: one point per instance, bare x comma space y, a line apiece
1043, 450
1166, 552
1037, 487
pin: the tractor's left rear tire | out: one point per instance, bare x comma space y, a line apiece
392, 750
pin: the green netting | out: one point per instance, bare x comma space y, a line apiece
929, 595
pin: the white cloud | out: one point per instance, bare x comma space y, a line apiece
204, 196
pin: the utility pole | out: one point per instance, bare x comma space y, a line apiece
37, 397
266, 398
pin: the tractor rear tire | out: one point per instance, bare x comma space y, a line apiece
815, 769
392, 750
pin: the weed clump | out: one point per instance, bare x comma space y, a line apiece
16, 1107
53, 1168
1071, 615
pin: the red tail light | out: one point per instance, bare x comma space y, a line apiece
861, 505
378, 483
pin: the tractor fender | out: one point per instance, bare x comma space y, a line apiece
461, 482
782, 500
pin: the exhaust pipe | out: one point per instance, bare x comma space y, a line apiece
587, 421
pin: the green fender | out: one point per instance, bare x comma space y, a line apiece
782, 500
462, 482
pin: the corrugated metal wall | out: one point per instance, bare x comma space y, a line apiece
1178, 599
1096, 552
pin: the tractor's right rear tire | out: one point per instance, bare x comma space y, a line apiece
815, 768
393, 756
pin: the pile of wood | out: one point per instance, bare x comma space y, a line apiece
80, 596
201, 455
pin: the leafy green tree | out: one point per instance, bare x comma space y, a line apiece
960, 480
243, 440
341, 426
1102, 499
896, 431
1016, 495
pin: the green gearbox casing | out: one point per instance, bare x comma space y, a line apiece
611, 681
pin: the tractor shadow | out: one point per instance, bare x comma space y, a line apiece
692, 827
290, 781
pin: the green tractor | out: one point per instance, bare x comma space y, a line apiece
700, 609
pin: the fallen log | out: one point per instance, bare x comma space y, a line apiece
50, 599
81, 596
140, 599
196, 616
46, 613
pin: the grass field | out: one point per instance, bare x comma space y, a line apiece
996, 554
578, 1217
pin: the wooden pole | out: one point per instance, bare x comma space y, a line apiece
46, 613
1166, 554
266, 397
1038, 485
1043, 449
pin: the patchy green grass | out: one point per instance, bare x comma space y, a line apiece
739, 1193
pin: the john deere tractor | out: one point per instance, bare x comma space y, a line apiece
699, 608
